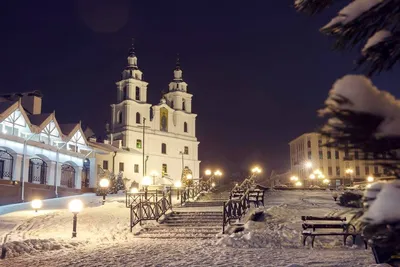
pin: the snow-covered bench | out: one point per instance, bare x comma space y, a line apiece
336, 226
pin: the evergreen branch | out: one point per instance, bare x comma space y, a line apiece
382, 56
359, 132
312, 7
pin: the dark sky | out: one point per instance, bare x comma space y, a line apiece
258, 70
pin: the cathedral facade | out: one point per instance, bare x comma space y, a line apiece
159, 140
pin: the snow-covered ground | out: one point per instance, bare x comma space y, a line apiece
104, 238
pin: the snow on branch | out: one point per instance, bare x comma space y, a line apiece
360, 23
381, 52
362, 117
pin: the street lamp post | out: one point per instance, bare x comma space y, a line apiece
178, 185
75, 206
349, 171
146, 182
104, 184
154, 174
308, 165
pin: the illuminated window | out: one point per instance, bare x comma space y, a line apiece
139, 143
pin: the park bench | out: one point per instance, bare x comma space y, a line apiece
336, 226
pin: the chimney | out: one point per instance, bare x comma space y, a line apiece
32, 102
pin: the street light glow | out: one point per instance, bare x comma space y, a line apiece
36, 204
208, 172
189, 176
370, 179
325, 181
134, 190
213, 185
178, 184
312, 176
294, 178
298, 183
256, 170
217, 173
75, 206
146, 181
349, 171
308, 164
104, 183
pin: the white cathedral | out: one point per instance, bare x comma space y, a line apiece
151, 140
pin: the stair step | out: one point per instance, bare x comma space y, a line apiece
176, 236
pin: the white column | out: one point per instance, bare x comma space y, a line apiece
58, 178
25, 171
78, 177
16, 168
51, 172
93, 173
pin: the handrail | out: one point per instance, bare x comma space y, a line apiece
151, 208
239, 201
191, 192
235, 209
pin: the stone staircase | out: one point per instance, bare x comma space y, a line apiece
197, 219
186, 224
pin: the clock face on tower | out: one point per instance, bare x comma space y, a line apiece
164, 119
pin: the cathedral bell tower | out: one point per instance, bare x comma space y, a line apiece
177, 97
132, 107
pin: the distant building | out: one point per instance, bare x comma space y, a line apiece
145, 140
338, 166
40, 157
279, 178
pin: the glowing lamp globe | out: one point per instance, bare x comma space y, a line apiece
325, 181
189, 176
146, 181
208, 172
75, 206
134, 190
213, 185
36, 204
308, 164
178, 184
104, 183
312, 176
298, 183
370, 179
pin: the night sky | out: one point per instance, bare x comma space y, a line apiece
258, 70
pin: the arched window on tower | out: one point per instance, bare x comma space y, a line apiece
137, 93
183, 105
163, 148
119, 117
185, 127
137, 117
125, 93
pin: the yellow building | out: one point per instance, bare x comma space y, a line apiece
308, 154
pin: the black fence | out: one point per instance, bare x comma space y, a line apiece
193, 191
150, 208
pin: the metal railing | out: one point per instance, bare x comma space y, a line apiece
132, 198
192, 192
152, 208
240, 198
235, 209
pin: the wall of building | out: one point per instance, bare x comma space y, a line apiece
11, 193
331, 162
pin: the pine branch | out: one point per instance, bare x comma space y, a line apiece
359, 131
312, 7
382, 56
385, 15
